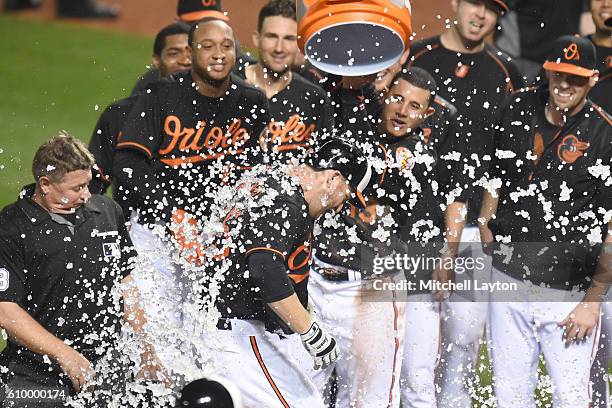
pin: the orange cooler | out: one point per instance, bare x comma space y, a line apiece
354, 37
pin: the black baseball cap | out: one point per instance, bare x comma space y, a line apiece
193, 10
573, 55
351, 162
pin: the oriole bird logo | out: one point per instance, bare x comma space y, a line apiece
571, 149
405, 159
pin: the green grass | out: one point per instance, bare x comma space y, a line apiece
52, 77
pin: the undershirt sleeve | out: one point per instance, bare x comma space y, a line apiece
268, 272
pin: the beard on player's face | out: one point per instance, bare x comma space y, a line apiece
276, 42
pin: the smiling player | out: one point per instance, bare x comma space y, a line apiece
553, 158
299, 109
476, 78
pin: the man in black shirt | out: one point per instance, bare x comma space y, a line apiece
476, 78
261, 267
197, 127
63, 253
299, 109
171, 55
190, 12
405, 213
552, 161
180, 141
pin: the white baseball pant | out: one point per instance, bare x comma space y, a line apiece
519, 331
369, 329
157, 277
421, 352
600, 376
265, 367
463, 322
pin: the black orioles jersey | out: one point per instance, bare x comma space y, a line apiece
477, 85
186, 133
298, 113
409, 163
555, 189
274, 219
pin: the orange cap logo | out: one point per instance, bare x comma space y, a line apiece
571, 52
461, 71
571, 149
209, 3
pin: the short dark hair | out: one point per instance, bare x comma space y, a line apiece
418, 77
196, 24
284, 8
171, 29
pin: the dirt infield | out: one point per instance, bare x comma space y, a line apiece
146, 17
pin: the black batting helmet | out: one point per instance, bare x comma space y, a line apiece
350, 161
209, 393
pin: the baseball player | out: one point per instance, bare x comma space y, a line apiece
552, 162
171, 55
368, 326
189, 12
264, 274
178, 142
476, 78
299, 109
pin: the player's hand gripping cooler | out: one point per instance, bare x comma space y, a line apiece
354, 37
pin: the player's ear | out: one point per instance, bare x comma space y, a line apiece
44, 183
156, 60
255, 38
333, 176
594, 79
404, 58
455, 5
430, 111
341, 182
